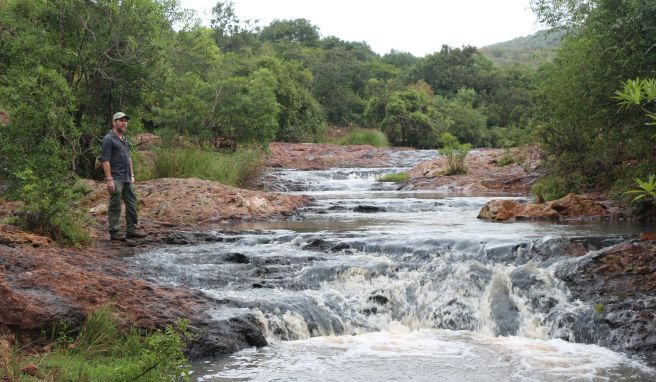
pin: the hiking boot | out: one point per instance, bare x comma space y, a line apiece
136, 235
116, 237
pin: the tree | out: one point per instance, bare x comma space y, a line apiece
299, 31
467, 123
231, 33
301, 117
408, 120
402, 60
450, 69
249, 111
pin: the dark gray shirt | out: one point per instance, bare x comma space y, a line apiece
117, 152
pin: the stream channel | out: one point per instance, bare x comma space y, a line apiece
373, 284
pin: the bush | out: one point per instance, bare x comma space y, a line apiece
509, 158
360, 136
455, 153
101, 352
397, 177
554, 187
50, 207
235, 169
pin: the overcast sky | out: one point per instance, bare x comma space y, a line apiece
415, 26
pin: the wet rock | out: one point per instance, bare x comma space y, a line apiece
570, 207
379, 299
620, 281
525, 278
238, 258
318, 245
368, 209
500, 210
503, 310
211, 338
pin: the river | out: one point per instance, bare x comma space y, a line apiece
374, 284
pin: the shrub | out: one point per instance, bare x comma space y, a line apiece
397, 177
50, 207
455, 153
359, 136
235, 169
554, 187
509, 158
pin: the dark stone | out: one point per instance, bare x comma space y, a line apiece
379, 299
211, 338
368, 209
238, 258
504, 312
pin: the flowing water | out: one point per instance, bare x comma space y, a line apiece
374, 284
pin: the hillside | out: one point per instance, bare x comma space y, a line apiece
531, 50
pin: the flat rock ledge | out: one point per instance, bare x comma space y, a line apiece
570, 207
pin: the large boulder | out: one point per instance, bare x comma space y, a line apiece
571, 206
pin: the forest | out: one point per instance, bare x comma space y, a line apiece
67, 65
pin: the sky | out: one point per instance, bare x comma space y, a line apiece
416, 26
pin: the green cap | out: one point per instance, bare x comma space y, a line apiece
120, 115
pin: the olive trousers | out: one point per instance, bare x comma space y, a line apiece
125, 191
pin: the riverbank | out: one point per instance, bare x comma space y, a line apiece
43, 284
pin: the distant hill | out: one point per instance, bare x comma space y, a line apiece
532, 50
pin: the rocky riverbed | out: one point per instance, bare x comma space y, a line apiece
215, 253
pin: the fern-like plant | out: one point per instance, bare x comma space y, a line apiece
646, 189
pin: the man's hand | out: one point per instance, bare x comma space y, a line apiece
132, 178
111, 187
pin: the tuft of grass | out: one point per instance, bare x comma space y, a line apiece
101, 352
509, 158
359, 136
235, 169
396, 177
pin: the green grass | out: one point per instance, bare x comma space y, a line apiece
235, 169
359, 136
508, 159
101, 352
397, 177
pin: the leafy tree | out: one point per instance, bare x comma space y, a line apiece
450, 69
408, 120
249, 110
402, 60
301, 117
467, 123
338, 86
299, 31
230, 33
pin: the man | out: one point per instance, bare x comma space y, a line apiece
117, 165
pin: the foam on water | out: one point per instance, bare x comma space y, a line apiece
401, 354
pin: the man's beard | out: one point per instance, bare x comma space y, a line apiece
120, 129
